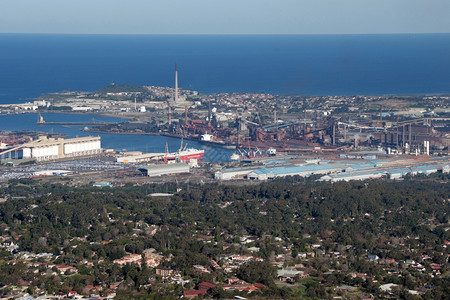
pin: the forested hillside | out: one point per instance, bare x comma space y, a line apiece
391, 232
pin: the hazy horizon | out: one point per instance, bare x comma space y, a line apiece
225, 17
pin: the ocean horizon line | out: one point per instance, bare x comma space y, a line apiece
224, 34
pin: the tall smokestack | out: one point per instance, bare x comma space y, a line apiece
176, 83
185, 115
170, 114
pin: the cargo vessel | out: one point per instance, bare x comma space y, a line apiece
184, 154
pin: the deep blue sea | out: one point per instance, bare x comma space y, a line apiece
33, 64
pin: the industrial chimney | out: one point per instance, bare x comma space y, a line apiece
176, 83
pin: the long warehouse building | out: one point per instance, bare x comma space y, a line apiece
49, 148
165, 169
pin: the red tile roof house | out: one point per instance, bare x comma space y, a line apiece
205, 286
191, 294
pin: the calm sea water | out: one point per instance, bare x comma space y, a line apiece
288, 64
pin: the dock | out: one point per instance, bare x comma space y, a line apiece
71, 123
42, 122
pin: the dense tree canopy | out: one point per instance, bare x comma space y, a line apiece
98, 224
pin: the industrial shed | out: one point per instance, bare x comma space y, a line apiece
271, 171
164, 169
233, 173
300, 170
359, 175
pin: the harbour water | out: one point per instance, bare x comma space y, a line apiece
126, 142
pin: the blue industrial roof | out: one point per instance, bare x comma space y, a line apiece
424, 168
363, 165
293, 169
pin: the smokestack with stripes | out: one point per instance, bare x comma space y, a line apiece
176, 84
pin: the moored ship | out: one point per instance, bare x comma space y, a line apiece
184, 154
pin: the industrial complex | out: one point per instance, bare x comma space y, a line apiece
332, 138
337, 168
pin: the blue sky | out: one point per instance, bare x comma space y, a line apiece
225, 16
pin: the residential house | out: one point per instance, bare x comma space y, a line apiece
191, 294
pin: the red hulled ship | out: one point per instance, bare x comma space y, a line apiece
184, 154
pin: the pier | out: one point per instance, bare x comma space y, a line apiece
71, 123
42, 122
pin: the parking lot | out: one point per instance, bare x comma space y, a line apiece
80, 165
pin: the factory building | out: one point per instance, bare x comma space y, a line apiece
359, 175
49, 148
233, 173
393, 173
279, 169
355, 168
165, 169
303, 171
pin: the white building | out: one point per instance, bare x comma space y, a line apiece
50, 148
